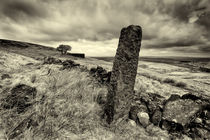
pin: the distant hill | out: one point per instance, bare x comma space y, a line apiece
22, 45
33, 50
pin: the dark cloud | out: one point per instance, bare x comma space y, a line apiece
181, 11
204, 20
22, 10
170, 25
185, 9
172, 43
205, 48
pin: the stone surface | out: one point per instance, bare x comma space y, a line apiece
198, 120
180, 110
68, 64
135, 109
156, 117
182, 116
153, 101
123, 73
132, 123
52, 60
143, 118
101, 74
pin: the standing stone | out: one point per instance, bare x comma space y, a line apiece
123, 74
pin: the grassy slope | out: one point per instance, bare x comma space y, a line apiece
69, 110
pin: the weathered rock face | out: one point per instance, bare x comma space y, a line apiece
52, 60
143, 118
123, 73
180, 111
101, 74
68, 64
135, 109
187, 115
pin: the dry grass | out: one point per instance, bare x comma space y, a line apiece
169, 81
67, 109
181, 84
66, 105
69, 106
174, 82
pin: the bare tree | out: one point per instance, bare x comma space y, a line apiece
64, 48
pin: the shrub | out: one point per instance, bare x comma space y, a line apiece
169, 80
63, 48
181, 84
143, 66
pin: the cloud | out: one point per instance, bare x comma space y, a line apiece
22, 10
205, 48
166, 24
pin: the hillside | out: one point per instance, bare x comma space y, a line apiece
68, 100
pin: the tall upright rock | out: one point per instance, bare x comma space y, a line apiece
124, 72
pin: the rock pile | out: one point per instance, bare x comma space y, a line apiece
20, 97
52, 60
187, 114
101, 75
68, 64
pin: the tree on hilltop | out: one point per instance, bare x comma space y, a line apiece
64, 48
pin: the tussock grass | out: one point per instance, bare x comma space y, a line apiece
69, 105
151, 76
169, 81
67, 109
181, 84
174, 82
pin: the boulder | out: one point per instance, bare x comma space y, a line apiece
156, 117
101, 74
135, 109
153, 102
143, 118
132, 123
181, 111
68, 64
52, 60
198, 120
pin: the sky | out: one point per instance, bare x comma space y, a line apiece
170, 27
